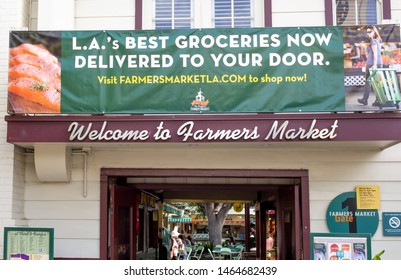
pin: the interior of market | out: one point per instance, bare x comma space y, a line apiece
266, 217
194, 226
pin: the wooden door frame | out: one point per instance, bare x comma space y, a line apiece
107, 174
132, 204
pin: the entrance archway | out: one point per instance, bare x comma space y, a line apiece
294, 207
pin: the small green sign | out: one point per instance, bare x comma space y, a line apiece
391, 223
343, 216
24, 243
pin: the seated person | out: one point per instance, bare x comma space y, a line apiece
230, 241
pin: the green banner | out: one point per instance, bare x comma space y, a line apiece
214, 70
250, 70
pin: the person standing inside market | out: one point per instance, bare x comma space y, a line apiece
174, 248
373, 62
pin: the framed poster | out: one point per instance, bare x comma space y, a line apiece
338, 246
25, 243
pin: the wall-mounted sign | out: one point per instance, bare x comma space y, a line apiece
189, 131
342, 216
179, 219
368, 197
148, 200
201, 128
238, 206
28, 243
335, 246
391, 223
261, 70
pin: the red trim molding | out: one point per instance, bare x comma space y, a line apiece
386, 9
268, 13
108, 173
328, 12
204, 128
138, 14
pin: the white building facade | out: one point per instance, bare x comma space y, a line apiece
33, 195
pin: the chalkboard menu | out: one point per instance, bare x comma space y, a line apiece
26, 243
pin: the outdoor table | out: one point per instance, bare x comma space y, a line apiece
234, 251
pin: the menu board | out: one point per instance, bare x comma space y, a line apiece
325, 246
28, 243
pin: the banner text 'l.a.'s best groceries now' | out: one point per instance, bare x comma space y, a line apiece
250, 70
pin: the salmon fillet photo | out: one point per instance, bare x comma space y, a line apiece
34, 80
32, 90
36, 50
38, 74
39, 62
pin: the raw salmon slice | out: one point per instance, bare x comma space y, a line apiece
29, 71
37, 50
34, 91
39, 62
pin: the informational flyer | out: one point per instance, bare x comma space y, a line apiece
359, 251
368, 197
319, 252
340, 251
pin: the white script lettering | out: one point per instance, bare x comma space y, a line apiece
187, 131
312, 133
80, 133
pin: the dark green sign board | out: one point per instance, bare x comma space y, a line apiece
185, 71
25, 243
207, 70
337, 246
342, 216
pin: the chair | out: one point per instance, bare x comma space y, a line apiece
188, 251
225, 253
191, 253
238, 255
216, 251
197, 253
211, 253
188, 243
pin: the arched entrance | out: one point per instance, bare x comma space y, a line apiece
287, 191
